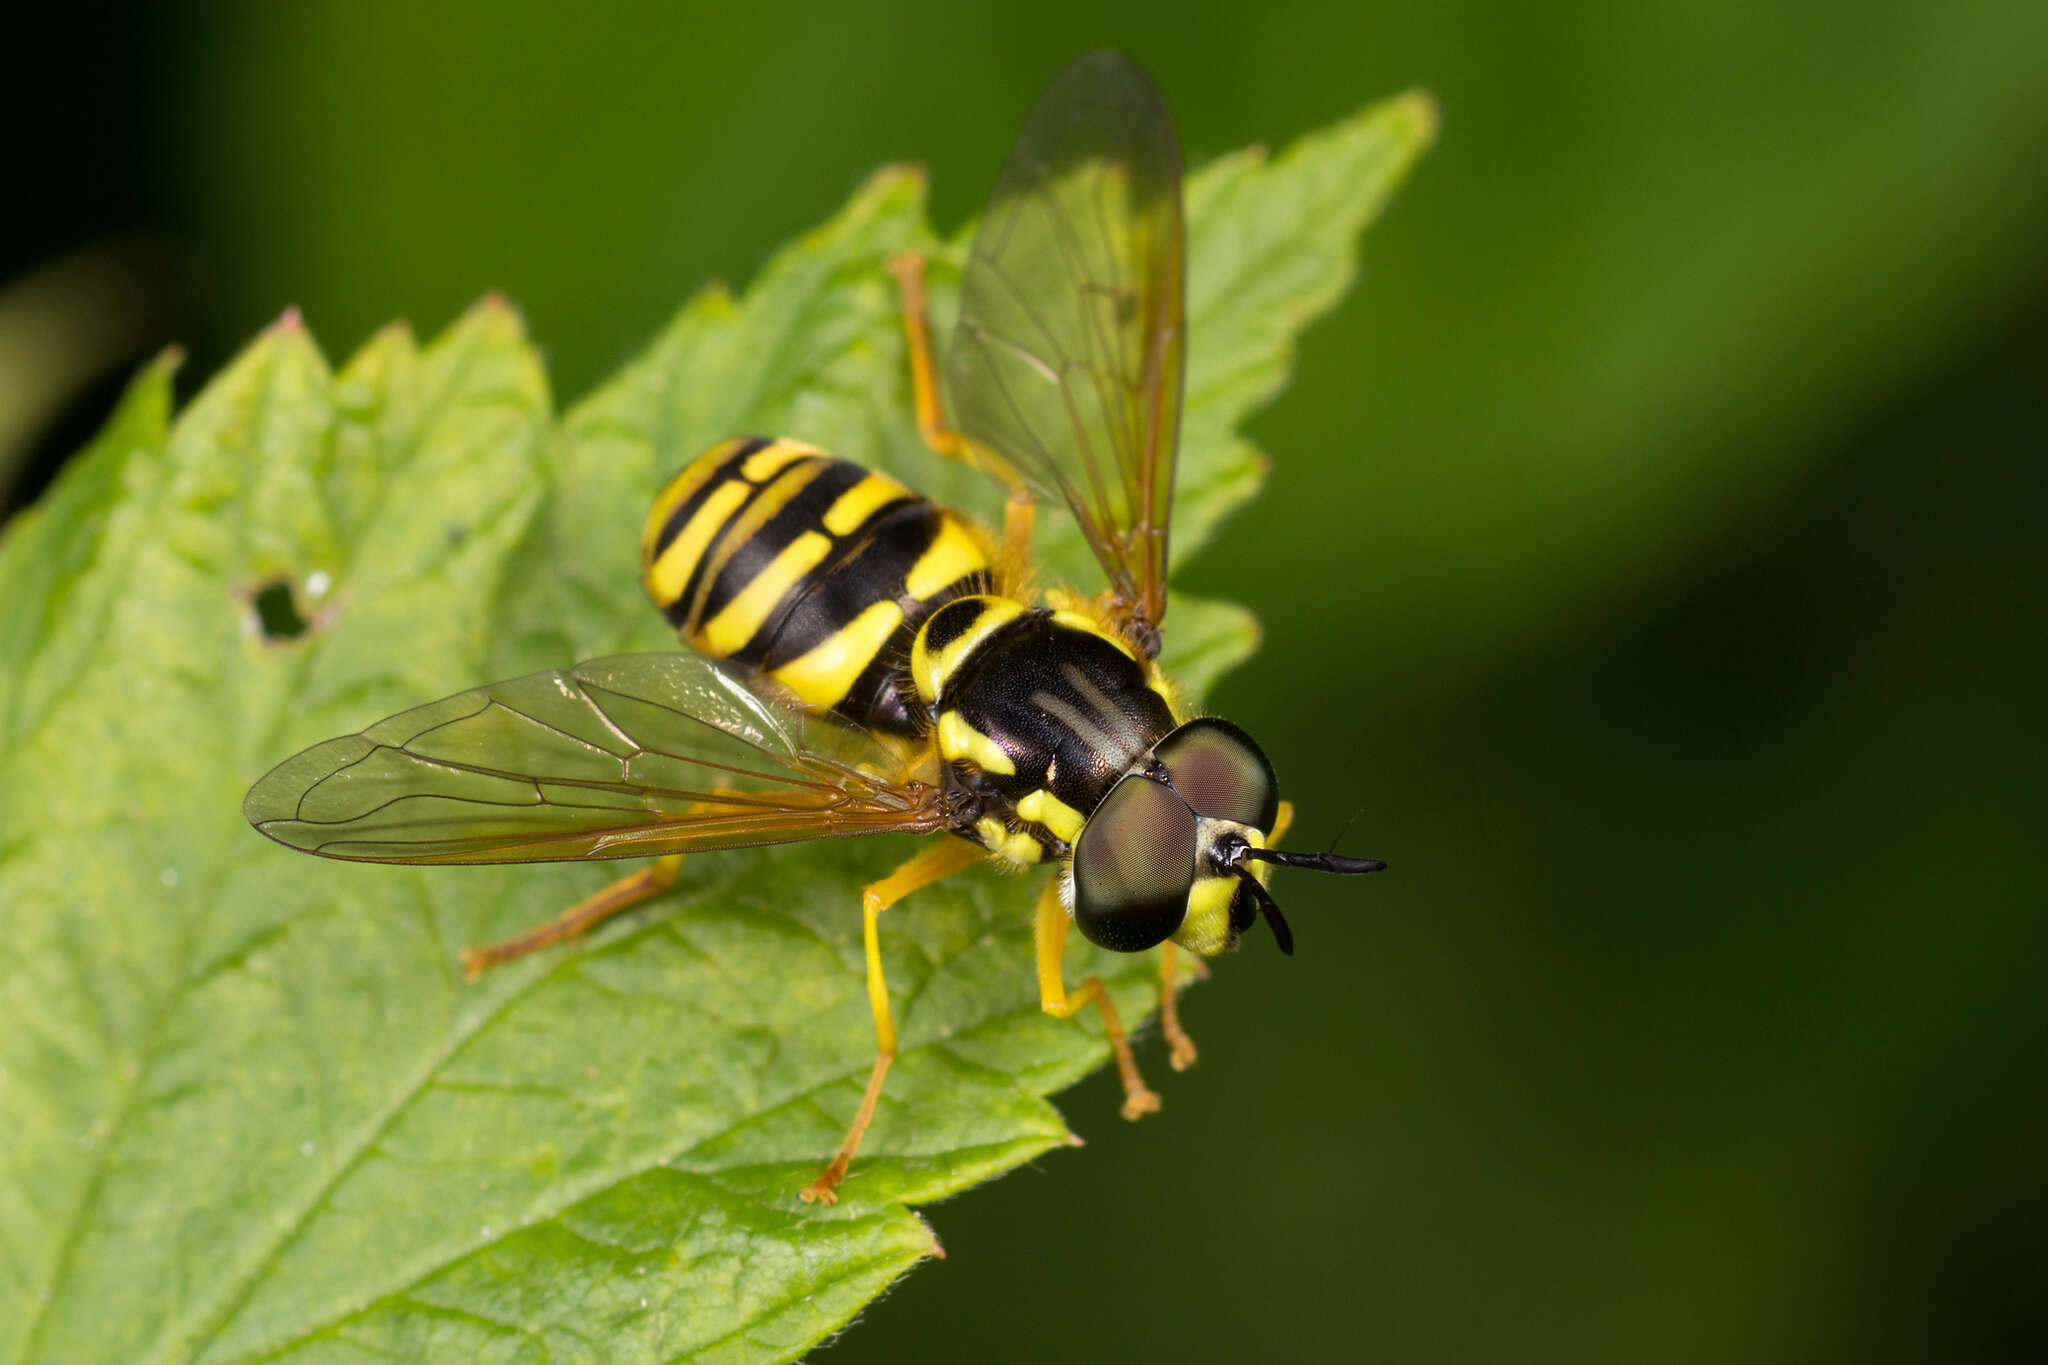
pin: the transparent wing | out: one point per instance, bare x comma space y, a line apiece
631, 756
1068, 355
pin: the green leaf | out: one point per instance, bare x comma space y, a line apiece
251, 1110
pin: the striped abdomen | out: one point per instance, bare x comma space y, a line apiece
812, 570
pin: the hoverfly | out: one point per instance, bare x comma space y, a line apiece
867, 661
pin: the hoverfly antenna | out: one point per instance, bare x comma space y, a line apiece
1317, 862
1338, 837
1269, 908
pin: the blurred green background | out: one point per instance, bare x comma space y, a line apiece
1653, 558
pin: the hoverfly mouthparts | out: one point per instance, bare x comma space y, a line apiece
1268, 907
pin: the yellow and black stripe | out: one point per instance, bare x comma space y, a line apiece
1038, 712
815, 571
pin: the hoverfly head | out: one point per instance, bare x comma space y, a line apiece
1173, 851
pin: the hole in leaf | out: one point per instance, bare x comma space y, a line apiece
277, 615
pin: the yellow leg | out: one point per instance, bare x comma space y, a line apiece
931, 418
1018, 514
932, 865
1053, 999
1280, 824
1182, 1053
924, 371
592, 910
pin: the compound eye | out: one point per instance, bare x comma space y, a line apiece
1133, 867
1219, 771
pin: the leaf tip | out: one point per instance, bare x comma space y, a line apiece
903, 172
1424, 111
894, 194
496, 314
288, 323
496, 301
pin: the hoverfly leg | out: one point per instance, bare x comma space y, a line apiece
1181, 1047
1051, 935
1019, 512
1280, 823
945, 442
933, 865
592, 910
